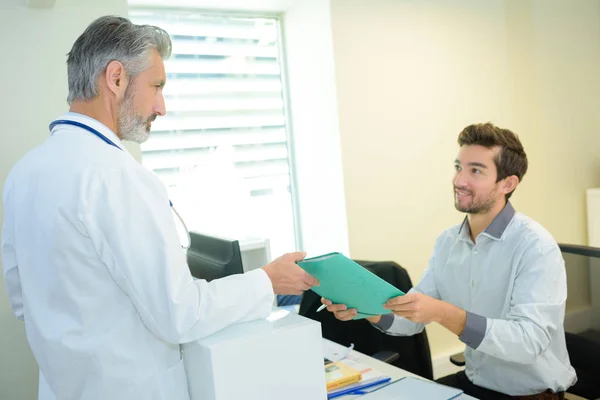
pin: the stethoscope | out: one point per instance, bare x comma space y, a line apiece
110, 142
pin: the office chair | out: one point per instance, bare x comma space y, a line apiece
410, 353
583, 347
211, 257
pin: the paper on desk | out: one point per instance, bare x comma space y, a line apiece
343, 281
334, 352
410, 388
368, 373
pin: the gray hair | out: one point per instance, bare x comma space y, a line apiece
108, 39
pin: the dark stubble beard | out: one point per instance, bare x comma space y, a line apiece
476, 206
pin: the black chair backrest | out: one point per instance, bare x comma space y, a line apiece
211, 257
415, 355
583, 347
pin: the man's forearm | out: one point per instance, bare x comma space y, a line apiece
452, 318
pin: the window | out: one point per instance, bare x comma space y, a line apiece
222, 149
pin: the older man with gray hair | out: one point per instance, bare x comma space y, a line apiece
91, 256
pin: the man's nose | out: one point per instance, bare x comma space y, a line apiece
160, 108
459, 179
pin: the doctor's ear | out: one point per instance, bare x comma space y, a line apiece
116, 78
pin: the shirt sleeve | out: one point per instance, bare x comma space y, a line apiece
133, 231
10, 266
536, 310
474, 332
399, 326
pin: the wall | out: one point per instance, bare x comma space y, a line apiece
310, 77
35, 43
411, 74
566, 86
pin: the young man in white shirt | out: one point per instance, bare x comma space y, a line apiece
497, 281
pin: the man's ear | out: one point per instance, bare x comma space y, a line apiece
116, 78
510, 184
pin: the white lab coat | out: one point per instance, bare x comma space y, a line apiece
93, 265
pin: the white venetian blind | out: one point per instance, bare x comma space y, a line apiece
222, 148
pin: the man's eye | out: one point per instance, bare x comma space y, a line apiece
457, 167
476, 171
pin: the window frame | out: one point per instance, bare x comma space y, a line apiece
282, 57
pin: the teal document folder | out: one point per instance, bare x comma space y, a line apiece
410, 388
345, 282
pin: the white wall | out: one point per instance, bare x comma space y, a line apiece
412, 74
33, 69
314, 127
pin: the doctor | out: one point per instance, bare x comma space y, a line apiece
91, 256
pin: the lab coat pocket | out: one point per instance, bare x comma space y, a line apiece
173, 383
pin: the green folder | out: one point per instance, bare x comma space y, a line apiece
345, 282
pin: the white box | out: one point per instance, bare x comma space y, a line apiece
256, 253
273, 359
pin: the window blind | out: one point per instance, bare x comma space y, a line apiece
226, 119
224, 89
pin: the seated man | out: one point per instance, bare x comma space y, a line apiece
497, 281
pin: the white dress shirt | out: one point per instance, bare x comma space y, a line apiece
94, 267
513, 285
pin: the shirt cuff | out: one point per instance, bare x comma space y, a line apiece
386, 321
474, 331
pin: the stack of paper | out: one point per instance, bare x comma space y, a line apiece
338, 375
410, 388
371, 380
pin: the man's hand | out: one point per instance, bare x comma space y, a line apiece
287, 277
423, 309
416, 307
341, 312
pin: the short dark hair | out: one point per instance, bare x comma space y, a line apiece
511, 159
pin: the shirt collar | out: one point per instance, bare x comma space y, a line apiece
464, 232
92, 123
496, 229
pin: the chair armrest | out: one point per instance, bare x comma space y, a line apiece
458, 359
386, 356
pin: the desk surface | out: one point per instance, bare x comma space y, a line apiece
387, 369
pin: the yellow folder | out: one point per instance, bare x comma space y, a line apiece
338, 375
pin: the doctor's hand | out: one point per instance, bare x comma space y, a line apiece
341, 311
287, 277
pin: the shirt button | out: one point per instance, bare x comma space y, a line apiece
472, 283
475, 251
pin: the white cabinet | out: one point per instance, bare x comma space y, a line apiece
278, 358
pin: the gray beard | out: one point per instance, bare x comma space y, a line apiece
132, 128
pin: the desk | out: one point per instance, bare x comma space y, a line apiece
387, 369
